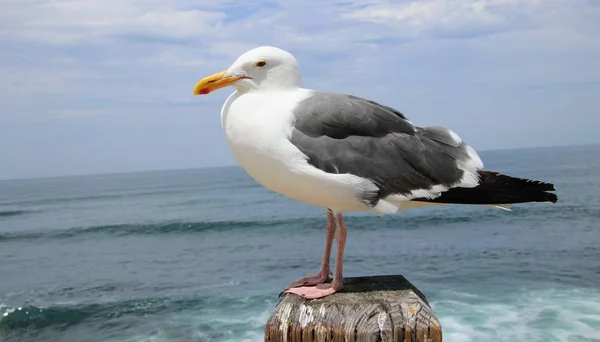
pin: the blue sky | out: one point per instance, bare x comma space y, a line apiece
96, 86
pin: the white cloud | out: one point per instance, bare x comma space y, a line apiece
446, 17
93, 21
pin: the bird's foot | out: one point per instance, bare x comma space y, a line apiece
311, 280
315, 292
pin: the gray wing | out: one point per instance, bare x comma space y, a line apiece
347, 134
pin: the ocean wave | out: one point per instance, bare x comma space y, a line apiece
95, 197
25, 318
140, 229
399, 221
9, 213
198, 227
535, 315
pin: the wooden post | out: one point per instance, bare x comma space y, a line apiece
378, 308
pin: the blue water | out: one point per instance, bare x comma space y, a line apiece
201, 255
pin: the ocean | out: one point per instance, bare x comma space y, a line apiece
201, 255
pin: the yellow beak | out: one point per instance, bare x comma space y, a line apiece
214, 82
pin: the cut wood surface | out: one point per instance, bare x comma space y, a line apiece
376, 308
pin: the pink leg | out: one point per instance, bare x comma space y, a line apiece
324, 290
325, 271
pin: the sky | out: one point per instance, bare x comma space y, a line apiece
97, 86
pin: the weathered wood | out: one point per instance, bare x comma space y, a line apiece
378, 308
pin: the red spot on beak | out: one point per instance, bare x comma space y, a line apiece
204, 91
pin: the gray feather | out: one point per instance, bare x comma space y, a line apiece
440, 134
347, 134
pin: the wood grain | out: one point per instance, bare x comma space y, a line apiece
377, 308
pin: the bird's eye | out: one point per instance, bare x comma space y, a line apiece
261, 63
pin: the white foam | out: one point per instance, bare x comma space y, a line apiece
541, 315
230, 283
545, 315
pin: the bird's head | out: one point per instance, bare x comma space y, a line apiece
262, 68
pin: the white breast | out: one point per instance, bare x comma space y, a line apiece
258, 128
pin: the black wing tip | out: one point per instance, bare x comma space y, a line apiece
551, 197
535, 190
497, 188
500, 179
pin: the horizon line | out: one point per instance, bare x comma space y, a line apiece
236, 165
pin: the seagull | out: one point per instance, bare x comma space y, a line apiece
347, 154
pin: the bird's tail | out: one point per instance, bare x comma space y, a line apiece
499, 190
